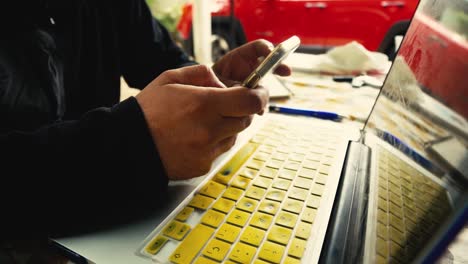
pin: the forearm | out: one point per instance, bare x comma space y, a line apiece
79, 172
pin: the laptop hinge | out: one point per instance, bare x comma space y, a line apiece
346, 230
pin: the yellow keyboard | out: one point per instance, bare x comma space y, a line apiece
410, 207
259, 208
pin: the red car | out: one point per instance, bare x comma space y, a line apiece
321, 24
441, 40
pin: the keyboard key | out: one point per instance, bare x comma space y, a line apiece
303, 183
223, 205
275, 195
192, 244
313, 201
261, 220
247, 204
286, 219
271, 252
274, 164
201, 201
228, 170
238, 217
307, 173
311, 164
212, 218
297, 248
309, 215
176, 230
262, 182
281, 184
233, 193
287, 174
279, 234
269, 207
321, 179
293, 206
291, 165
155, 245
382, 247
216, 249
203, 260
248, 173
255, 164
324, 169
242, 253
255, 193
269, 172
303, 230
252, 236
240, 182
212, 189
298, 193
290, 260
228, 232
185, 214
317, 189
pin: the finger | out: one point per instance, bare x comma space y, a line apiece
200, 75
239, 101
282, 70
226, 144
230, 126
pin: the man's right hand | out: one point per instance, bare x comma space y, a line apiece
193, 118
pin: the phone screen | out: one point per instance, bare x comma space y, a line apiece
279, 53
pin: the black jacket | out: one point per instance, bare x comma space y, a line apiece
71, 157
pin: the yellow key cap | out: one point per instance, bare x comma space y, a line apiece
271, 252
303, 183
240, 182
201, 201
317, 189
286, 219
228, 232
216, 249
287, 174
252, 236
269, 172
155, 245
226, 173
212, 218
233, 193
259, 261
184, 214
313, 201
307, 173
176, 230
261, 220
223, 205
255, 193
242, 253
298, 193
293, 206
212, 189
303, 230
269, 207
262, 182
248, 173
309, 215
192, 244
290, 260
297, 248
203, 260
247, 204
281, 184
238, 217
275, 195
255, 164
279, 234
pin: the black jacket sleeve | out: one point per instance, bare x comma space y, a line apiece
78, 175
148, 48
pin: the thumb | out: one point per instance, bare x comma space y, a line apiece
198, 75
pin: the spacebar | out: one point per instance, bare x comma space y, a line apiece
192, 244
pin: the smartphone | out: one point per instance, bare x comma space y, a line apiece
279, 53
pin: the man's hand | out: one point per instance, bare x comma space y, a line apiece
193, 120
237, 64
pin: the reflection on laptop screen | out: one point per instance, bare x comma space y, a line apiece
304, 190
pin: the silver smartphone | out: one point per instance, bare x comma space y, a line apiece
280, 52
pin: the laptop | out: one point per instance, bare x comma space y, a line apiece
305, 190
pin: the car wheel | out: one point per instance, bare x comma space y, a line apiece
221, 43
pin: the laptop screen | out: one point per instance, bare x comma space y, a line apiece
418, 188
